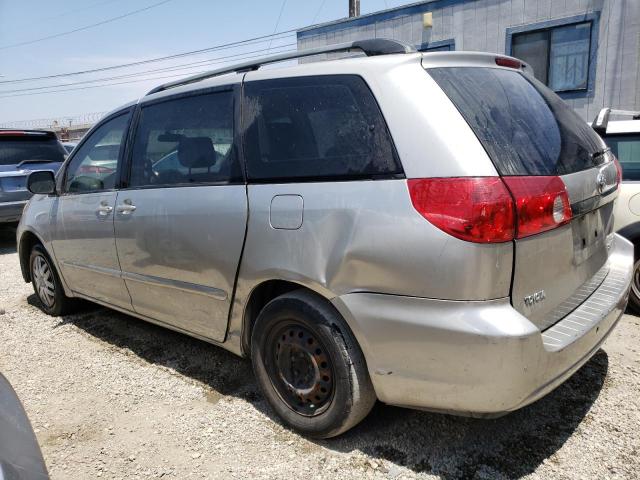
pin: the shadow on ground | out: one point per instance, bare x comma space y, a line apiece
7, 239
443, 445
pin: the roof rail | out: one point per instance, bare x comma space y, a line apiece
370, 47
600, 123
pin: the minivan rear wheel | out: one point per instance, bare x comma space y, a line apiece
46, 284
309, 366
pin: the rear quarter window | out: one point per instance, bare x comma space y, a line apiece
315, 128
525, 128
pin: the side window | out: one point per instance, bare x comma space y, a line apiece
186, 141
314, 128
94, 166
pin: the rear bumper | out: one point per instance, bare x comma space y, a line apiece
479, 358
11, 211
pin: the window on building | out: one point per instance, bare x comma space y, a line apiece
559, 56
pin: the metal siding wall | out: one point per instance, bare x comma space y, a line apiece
530, 11
493, 27
629, 81
468, 33
544, 10
458, 26
416, 29
505, 21
517, 12
557, 8
481, 25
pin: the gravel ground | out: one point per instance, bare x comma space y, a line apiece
111, 396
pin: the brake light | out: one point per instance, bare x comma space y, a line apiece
476, 209
508, 62
542, 203
618, 170
13, 133
492, 209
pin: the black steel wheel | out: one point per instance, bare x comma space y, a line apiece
309, 366
301, 368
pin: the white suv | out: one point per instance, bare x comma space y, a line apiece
623, 136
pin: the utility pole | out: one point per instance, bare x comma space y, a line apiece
354, 8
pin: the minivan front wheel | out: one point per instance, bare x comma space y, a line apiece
309, 366
46, 283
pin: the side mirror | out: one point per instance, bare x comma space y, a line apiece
42, 181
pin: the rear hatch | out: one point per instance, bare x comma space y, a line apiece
22, 152
544, 153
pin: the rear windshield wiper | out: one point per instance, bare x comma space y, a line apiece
37, 160
598, 157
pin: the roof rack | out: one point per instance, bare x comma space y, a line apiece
370, 47
600, 123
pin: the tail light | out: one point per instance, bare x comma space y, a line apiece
508, 62
492, 209
618, 170
472, 209
542, 203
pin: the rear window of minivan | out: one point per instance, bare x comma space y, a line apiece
16, 149
525, 128
315, 128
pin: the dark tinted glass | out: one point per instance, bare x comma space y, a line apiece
316, 128
186, 141
533, 48
94, 165
525, 128
627, 149
14, 150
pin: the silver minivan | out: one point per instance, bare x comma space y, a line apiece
432, 230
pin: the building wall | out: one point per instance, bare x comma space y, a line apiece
483, 25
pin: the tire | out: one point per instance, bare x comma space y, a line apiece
634, 295
311, 337
47, 285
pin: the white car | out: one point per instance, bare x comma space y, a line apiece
623, 136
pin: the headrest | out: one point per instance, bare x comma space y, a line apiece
196, 152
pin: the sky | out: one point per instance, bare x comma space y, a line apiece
165, 28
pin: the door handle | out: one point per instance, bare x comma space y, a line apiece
104, 209
126, 208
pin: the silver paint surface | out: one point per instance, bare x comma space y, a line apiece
179, 252
432, 313
286, 212
85, 247
475, 358
571, 255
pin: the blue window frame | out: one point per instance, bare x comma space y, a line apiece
439, 46
561, 52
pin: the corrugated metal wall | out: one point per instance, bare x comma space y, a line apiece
481, 25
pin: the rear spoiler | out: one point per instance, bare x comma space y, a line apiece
600, 123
